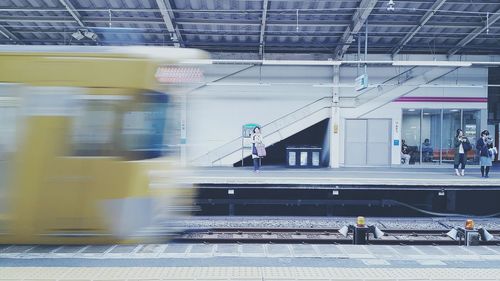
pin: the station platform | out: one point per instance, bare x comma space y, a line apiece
292, 191
347, 178
249, 262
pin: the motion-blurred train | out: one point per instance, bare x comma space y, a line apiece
83, 132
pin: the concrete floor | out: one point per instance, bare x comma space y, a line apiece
397, 176
249, 262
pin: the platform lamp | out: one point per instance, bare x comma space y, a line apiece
469, 234
361, 231
82, 33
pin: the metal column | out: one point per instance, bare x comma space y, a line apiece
335, 120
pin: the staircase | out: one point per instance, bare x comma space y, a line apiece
310, 114
394, 88
274, 131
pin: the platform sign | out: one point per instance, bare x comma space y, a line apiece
246, 133
361, 82
247, 129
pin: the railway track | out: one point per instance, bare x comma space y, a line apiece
319, 236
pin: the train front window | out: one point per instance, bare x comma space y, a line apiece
130, 126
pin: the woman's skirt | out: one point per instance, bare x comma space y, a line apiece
485, 161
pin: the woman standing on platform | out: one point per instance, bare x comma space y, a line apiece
257, 144
462, 145
486, 152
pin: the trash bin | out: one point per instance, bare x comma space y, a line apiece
303, 157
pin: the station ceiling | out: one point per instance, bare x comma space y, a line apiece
333, 27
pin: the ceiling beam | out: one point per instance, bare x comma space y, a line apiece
263, 27
358, 20
73, 12
243, 33
125, 20
168, 18
9, 35
428, 15
475, 33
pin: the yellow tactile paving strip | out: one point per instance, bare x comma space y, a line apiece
241, 273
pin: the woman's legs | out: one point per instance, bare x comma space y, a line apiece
487, 171
255, 164
462, 160
482, 171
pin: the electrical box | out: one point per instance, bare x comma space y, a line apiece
471, 238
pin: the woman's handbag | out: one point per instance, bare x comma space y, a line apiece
467, 146
261, 149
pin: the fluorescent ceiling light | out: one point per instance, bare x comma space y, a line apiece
196, 62
454, 110
449, 86
77, 35
432, 63
300, 62
237, 61
411, 110
237, 84
91, 35
339, 86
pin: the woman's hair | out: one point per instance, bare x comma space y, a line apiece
485, 133
256, 127
458, 132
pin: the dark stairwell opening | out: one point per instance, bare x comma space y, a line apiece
276, 153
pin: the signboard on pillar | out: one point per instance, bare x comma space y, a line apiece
396, 130
361, 82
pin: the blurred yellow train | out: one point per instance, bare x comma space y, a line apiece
82, 135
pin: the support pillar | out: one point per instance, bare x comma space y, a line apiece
335, 120
183, 130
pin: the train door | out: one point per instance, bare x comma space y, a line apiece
50, 183
9, 129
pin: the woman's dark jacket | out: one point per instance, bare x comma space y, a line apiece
482, 147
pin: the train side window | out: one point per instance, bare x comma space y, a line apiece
143, 127
9, 131
94, 128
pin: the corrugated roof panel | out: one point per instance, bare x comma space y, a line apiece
236, 23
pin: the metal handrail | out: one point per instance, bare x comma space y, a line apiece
240, 137
369, 92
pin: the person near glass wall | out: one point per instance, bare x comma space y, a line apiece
427, 151
405, 153
484, 146
462, 145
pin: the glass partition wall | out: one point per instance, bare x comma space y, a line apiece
429, 133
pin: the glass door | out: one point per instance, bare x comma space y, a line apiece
451, 122
471, 127
431, 136
411, 133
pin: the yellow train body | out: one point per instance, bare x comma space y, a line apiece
58, 186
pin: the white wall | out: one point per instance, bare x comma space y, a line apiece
217, 112
262, 94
